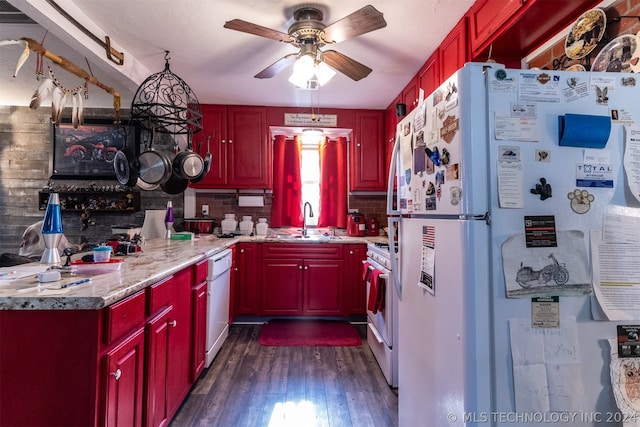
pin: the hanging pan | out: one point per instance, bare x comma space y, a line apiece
175, 184
187, 164
207, 165
155, 166
126, 164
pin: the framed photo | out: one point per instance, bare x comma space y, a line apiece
88, 151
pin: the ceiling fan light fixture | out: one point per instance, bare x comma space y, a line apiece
303, 71
324, 73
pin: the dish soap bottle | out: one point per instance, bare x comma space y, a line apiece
229, 224
262, 227
246, 225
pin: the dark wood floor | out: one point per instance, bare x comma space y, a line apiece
252, 385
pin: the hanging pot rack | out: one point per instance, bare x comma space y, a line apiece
74, 69
165, 102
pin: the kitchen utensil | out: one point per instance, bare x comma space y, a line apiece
207, 164
188, 164
175, 184
102, 254
126, 164
155, 166
356, 225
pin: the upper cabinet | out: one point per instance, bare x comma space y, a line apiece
367, 152
240, 148
453, 51
511, 29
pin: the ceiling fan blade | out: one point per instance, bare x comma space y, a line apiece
258, 30
275, 68
360, 22
347, 66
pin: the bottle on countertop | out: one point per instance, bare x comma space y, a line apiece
229, 224
246, 225
262, 227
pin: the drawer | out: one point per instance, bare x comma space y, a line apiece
200, 271
124, 316
160, 294
302, 250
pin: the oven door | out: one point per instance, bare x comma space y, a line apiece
382, 320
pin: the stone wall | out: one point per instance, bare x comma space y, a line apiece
25, 148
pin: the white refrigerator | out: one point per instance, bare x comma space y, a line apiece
505, 181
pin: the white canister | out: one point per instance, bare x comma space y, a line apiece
229, 224
262, 227
246, 225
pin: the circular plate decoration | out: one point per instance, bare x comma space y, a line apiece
635, 59
576, 67
585, 33
616, 56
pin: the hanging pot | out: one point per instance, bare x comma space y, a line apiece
175, 185
188, 164
144, 186
126, 165
154, 166
206, 167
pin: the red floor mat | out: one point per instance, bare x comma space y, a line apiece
309, 333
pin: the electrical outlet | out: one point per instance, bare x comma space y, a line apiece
205, 210
353, 210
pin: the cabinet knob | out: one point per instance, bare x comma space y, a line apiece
224, 141
230, 141
241, 251
299, 267
173, 323
350, 252
306, 267
117, 374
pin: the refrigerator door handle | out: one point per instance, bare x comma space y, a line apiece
394, 222
393, 165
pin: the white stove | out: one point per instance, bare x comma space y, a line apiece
382, 318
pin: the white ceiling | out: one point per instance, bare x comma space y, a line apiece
218, 64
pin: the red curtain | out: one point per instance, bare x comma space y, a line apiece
333, 183
287, 184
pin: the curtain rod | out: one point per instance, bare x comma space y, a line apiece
74, 69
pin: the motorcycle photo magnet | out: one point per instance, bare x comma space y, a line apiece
561, 270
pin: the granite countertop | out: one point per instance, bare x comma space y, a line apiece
158, 259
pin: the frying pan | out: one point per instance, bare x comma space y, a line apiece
144, 186
155, 166
207, 165
175, 184
126, 164
188, 164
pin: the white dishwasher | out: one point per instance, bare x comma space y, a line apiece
218, 278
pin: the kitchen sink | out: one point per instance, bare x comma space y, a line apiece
307, 238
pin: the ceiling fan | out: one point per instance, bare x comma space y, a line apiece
309, 34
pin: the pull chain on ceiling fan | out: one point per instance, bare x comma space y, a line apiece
309, 34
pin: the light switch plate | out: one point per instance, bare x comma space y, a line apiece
205, 210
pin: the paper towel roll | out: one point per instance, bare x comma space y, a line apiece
251, 201
583, 130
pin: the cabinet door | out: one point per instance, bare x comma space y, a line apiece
248, 148
454, 50
198, 329
158, 349
233, 279
123, 379
247, 290
355, 290
214, 126
410, 95
429, 74
486, 17
281, 286
323, 287
368, 159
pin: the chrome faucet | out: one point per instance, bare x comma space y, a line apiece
304, 217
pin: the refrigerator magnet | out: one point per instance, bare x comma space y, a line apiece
580, 201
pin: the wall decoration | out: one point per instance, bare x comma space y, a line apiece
88, 151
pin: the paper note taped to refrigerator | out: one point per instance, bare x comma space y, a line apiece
509, 128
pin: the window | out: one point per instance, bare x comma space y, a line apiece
310, 175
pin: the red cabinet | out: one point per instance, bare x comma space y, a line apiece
429, 74
302, 279
123, 382
367, 152
486, 17
247, 289
241, 151
199, 330
453, 51
410, 95
158, 356
356, 298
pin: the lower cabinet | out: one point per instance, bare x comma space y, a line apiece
129, 364
302, 279
355, 300
246, 289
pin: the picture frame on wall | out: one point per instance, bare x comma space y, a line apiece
88, 151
